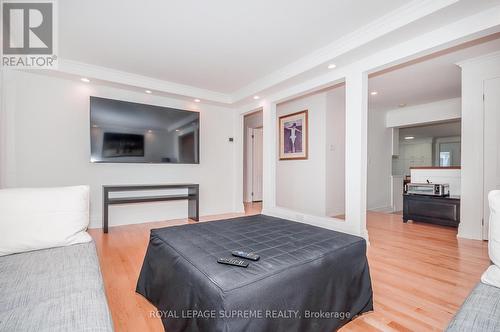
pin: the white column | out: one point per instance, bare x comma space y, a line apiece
356, 151
7, 126
2, 132
238, 135
269, 156
8, 156
473, 198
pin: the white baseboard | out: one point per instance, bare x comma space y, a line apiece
386, 209
96, 222
461, 234
239, 208
324, 222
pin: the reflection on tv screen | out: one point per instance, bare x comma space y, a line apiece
125, 132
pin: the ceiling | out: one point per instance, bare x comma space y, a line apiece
227, 51
219, 45
446, 129
433, 79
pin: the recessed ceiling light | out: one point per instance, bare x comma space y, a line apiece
197, 100
150, 131
374, 93
332, 66
84, 79
409, 137
177, 130
256, 97
148, 92
402, 105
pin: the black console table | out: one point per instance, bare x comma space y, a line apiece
432, 209
192, 196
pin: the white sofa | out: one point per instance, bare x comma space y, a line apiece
481, 309
49, 271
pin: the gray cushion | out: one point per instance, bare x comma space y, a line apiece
57, 289
480, 311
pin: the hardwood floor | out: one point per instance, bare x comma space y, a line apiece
121, 253
253, 208
421, 273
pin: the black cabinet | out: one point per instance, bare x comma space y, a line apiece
432, 209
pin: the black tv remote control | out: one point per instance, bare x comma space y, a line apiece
232, 261
248, 255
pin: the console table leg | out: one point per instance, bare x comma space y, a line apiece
193, 204
105, 211
105, 218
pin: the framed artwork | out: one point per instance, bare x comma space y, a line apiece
293, 136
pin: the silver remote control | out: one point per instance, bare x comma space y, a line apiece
248, 255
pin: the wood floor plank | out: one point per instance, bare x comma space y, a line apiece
421, 273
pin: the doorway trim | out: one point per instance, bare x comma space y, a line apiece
246, 157
416, 48
251, 165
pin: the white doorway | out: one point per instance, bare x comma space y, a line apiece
256, 173
253, 158
491, 144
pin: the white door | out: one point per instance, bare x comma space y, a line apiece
491, 143
257, 147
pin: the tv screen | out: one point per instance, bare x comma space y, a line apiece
125, 132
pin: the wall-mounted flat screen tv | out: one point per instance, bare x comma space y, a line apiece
125, 132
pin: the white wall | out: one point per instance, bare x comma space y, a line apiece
423, 152
379, 162
443, 110
335, 152
300, 184
396, 193
413, 153
253, 120
3, 132
316, 186
48, 144
356, 129
474, 73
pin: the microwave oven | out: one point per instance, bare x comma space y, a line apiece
429, 189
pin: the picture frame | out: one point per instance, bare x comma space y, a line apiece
293, 136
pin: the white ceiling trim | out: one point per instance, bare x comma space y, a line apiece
141, 82
453, 34
385, 24
479, 59
392, 21
461, 31
442, 37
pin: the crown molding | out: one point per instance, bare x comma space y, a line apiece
441, 102
480, 59
394, 20
461, 31
387, 23
139, 81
